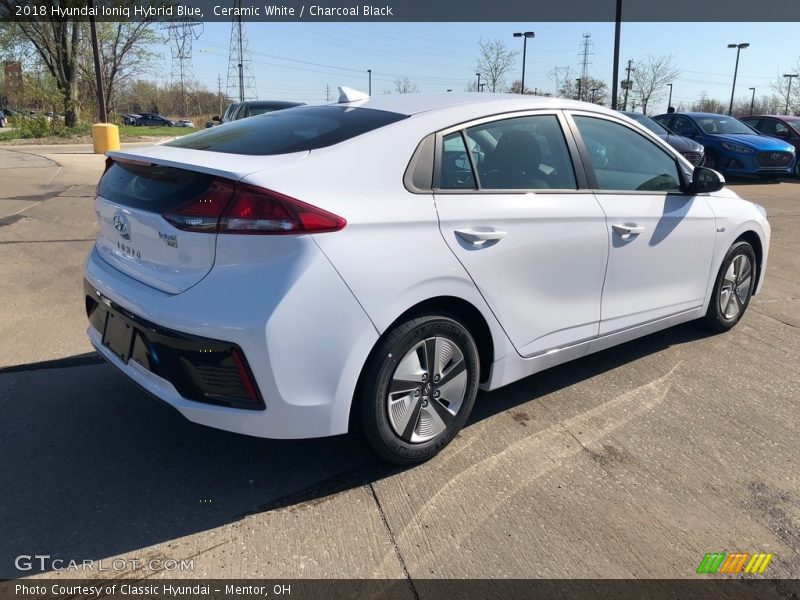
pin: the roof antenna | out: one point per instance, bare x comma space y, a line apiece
347, 94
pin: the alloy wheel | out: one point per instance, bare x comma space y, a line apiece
427, 390
735, 289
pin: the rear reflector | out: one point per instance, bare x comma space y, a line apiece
230, 207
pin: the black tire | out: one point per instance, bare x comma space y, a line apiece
404, 344
720, 314
797, 168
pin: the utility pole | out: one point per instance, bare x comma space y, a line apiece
789, 76
219, 93
98, 73
627, 84
752, 100
615, 77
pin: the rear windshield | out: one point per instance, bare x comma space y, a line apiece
291, 130
151, 187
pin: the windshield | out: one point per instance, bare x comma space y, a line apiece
653, 126
721, 125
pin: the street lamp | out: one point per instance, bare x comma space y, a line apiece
669, 102
369, 72
739, 48
789, 76
594, 94
479, 81
752, 100
578, 80
524, 35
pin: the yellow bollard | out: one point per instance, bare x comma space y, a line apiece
105, 136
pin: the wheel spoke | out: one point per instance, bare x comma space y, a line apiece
744, 290
745, 271
441, 411
730, 274
453, 372
397, 386
733, 307
430, 357
413, 418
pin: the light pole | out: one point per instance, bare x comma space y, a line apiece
669, 102
479, 81
369, 73
752, 100
594, 94
524, 35
739, 48
789, 76
580, 83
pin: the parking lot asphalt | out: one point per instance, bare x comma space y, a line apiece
633, 462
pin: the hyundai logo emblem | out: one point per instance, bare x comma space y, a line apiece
121, 225
776, 155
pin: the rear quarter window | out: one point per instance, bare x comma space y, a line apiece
291, 130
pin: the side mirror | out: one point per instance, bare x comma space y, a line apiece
215, 118
782, 134
705, 181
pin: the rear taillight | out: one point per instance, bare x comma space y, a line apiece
228, 207
203, 212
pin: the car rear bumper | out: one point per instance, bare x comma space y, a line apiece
304, 359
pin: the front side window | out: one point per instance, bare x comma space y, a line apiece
520, 153
625, 160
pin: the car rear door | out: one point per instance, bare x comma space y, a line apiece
662, 240
517, 214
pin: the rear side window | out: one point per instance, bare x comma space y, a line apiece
521, 153
151, 188
292, 130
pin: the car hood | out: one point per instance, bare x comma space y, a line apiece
755, 142
683, 144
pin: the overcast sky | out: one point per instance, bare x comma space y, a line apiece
297, 60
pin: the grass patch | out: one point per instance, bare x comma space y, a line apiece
131, 130
47, 134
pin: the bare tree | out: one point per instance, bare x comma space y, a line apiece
706, 104
495, 61
124, 53
781, 86
650, 79
405, 86
58, 44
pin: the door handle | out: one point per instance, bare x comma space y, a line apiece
627, 231
479, 237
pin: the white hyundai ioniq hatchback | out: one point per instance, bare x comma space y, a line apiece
388, 256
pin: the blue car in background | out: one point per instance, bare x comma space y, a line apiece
733, 147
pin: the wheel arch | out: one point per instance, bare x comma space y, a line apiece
463, 311
752, 238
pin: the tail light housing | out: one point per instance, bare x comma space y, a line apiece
230, 207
